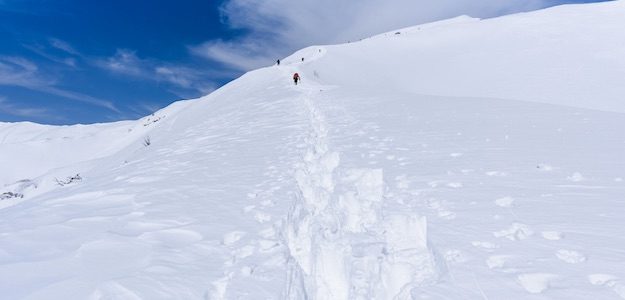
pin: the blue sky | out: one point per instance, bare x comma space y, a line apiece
82, 61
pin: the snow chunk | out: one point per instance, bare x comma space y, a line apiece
600, 279
536, 283
446, 214
455, 256
218, 291
505, 202
267, 233
495, 173
485, 245
405, 232
455, 185
243, 252
497, 261
262, 217
516, 232
232, 237
330, 277
409, 263
360, 207
570, 256
609, 281
552, 235
576, 177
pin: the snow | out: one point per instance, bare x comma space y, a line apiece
505, 202
536, 283
570, 256
516, 232
552, 235
464, 159
566, 55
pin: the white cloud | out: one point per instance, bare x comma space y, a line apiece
176, 76
20, 72
239, 55
52, 90
278, 27
126, 62
62, 45
41, 51
14, 110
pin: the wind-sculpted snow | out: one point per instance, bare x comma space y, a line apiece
354, 184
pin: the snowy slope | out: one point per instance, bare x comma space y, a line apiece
32, 153
400, 168
569, 55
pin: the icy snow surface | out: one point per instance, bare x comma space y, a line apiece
399, 168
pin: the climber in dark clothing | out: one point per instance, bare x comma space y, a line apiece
296, 78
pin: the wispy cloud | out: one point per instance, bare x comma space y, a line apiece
240, 55
42, 51
63, 46
78, 97
278, 27
123, 62
184, 81
126, 62
58, 51
20, 72
15, 110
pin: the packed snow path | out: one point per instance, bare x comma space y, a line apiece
340, 245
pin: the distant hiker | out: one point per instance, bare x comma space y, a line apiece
295, 78
302, 59
278, 61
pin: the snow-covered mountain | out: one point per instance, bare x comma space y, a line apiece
463, 159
